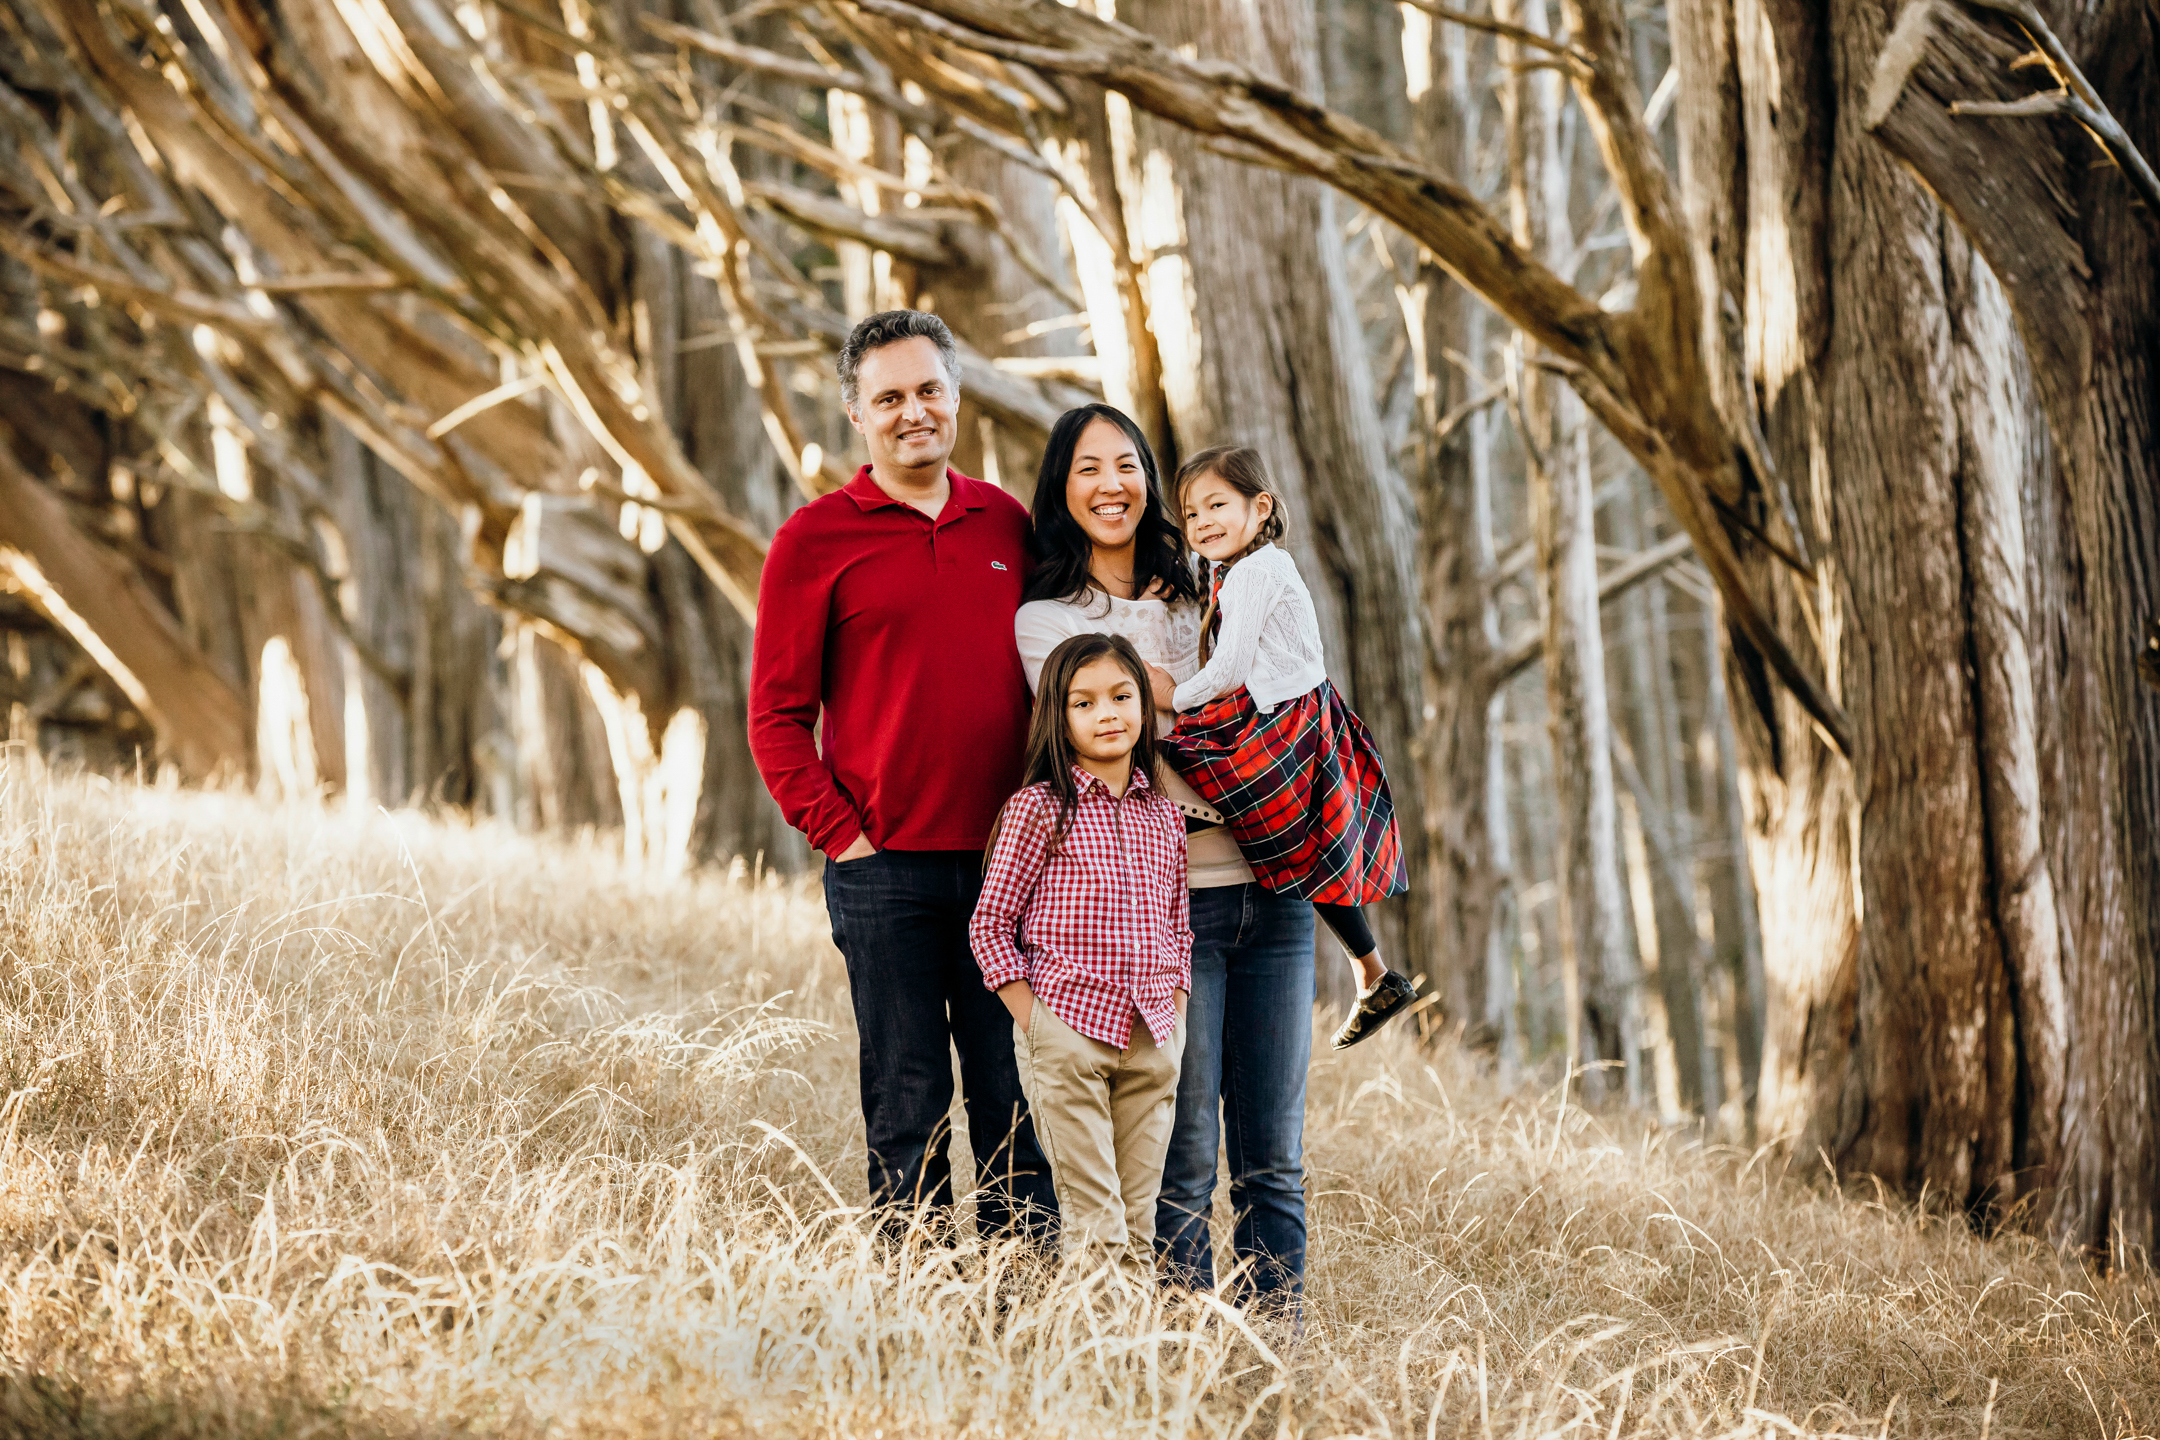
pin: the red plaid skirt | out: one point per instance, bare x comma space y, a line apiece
1303, 791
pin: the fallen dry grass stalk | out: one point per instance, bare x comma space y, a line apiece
321, 1123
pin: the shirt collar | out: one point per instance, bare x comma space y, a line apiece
1082, 779
868, 495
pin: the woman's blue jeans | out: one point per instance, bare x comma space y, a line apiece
1248, 1040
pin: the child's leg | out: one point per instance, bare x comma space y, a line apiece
1143, 1110
1067, 1079
1348, 923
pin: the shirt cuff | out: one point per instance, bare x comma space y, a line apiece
1001, 970
1177, 959
836, 835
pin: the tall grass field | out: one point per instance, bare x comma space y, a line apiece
320, 1123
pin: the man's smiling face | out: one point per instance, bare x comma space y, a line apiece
906, 406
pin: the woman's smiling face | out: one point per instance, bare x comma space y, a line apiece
1106, 489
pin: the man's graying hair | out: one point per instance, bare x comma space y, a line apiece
888, 327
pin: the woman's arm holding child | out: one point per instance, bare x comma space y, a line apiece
1017, 858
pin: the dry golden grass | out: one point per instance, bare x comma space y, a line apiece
324, 1124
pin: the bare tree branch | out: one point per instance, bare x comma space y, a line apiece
1576, 59
1524, 650
2076, 98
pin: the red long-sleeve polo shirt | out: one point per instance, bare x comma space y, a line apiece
900, 630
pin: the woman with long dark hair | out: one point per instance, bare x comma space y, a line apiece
1100, 520
1110, 558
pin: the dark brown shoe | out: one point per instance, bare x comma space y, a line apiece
1389, 998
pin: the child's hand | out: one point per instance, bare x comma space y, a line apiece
1161, 687
1179, 998
1019, 998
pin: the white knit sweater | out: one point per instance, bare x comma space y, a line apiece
1270, 638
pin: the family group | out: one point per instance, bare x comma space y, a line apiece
1082, 796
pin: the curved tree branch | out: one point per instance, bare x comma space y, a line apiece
1642, 372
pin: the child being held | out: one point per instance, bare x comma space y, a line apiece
1083, 931
1263, 736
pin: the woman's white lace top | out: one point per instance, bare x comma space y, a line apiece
1270, 637
1164, 634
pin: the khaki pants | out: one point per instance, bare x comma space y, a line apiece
1103, 1117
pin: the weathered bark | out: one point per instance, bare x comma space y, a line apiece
1110, 262
988, 295
1754, 147
103, 605
1738, 925
719, 416
1915, 1017
2076, 246
1251, 306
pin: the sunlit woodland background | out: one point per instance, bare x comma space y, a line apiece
1721, 435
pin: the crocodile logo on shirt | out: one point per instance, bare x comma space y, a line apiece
997, 565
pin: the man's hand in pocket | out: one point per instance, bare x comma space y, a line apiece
857, 851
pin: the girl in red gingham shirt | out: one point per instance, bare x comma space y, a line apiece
1083, 932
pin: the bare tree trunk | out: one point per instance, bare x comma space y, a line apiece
1593, 924
992, 300
1251, 306
1592, 921
1738, 928
1911, 1029
723, 432
1103, 235
1652, 723
1457, 749
2074, 236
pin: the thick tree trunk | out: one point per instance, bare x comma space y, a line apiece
1251, 306
723, 431
1754, 144
2078, 250
1730, 878
1102, 234
1922, 926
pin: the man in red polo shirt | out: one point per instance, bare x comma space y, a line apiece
886, 609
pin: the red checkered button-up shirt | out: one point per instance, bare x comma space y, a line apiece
1101, 928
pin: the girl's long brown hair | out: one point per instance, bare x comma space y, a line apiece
1050, 752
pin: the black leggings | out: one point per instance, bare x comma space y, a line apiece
1348, 923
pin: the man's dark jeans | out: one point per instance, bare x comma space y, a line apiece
1248, 1040
900, 917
